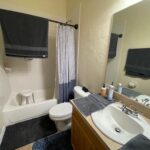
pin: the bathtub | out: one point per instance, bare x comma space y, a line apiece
14, 112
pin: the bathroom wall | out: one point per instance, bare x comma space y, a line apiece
73, 14
36, 74
136, 35
95, 23
4, 84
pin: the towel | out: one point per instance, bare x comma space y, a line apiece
138, 63
24, 35
57, 141
130, 93
140, 142
92, 103
113, 45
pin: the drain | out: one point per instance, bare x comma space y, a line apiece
117, 130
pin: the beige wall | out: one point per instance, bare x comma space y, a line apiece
95, 21
73, 14
4, 84
73, 11
36, 74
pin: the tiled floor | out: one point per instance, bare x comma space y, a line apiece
27, 147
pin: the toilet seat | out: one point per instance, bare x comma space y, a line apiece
61, 111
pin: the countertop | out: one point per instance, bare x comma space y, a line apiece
112, 145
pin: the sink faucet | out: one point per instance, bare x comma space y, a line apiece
129, 111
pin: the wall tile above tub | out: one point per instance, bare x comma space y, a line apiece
5, 89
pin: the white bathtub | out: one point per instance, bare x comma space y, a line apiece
14, 112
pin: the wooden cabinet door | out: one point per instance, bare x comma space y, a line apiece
82, 137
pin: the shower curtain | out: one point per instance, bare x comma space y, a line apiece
65, 53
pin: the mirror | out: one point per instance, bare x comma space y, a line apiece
129, 52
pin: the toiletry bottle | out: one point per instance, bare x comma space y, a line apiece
103, 90
119, 89
110, 92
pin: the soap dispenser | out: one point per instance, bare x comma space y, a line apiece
103, 90
119, 89
110, 92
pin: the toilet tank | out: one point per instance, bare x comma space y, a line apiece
78, 92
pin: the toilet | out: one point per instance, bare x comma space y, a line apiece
61, 113
79, 93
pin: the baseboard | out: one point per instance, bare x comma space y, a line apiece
2, 134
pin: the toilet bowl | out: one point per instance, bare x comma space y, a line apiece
61, 113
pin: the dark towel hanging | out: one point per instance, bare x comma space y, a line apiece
113, 45
24, 35
139, 142
138, 62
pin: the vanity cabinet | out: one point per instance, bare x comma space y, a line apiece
83, 136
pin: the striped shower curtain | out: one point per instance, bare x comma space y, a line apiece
65, 53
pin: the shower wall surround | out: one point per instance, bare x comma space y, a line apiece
4, 92
4, 84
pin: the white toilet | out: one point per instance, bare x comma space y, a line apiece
61, 113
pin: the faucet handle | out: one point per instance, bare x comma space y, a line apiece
123, 107
133, 108
135, 113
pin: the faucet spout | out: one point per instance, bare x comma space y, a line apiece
129, 111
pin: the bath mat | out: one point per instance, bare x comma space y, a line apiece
27, 132
57, 141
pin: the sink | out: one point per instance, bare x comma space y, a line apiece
119, 126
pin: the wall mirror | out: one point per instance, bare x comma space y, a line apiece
129, 52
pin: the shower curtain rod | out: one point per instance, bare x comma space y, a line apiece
65, 24
54, 21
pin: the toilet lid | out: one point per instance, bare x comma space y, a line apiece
61, 110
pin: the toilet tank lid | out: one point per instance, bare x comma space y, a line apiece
61, 110
79, 91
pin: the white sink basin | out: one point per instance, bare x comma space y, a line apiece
119, 126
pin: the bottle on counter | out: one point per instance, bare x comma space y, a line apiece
119, 88
103, 91
110, 92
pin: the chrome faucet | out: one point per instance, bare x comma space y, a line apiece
129, 111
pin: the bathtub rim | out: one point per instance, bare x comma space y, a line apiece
8, 107
11, 115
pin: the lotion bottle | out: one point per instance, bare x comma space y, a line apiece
119, 88
110, 92
103, 90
